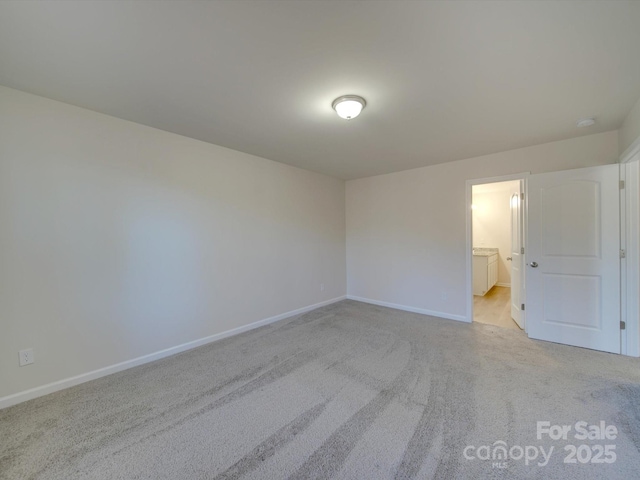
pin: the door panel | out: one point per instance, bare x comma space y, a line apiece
562, 292
573, 269
516, 256
567, 235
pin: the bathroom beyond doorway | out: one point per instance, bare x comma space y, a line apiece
492, 245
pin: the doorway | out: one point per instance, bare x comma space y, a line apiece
571, 256
496, 243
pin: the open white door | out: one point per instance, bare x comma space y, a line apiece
516, 256
573, 258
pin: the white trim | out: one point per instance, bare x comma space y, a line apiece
32, 393
502, 284
622, 174
629, 154
630, 266
448, 316
469, 233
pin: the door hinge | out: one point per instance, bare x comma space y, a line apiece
521, 249
623, 254
522, 306
522, 196
621, 184
623, 325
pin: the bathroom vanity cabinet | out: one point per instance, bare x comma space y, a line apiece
485, 270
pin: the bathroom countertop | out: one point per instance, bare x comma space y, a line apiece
484, 252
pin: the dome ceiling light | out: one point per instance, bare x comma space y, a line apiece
585, 122
348, 106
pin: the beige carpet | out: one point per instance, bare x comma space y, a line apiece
349, 391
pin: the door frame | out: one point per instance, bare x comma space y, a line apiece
630, 243
469, 234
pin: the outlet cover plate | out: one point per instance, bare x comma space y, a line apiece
26, 357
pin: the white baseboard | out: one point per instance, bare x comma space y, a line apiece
32, 393
448, 316
501, 284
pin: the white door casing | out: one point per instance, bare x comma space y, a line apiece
516, 256
573, 258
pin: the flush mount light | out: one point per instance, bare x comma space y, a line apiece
585, 122
348, 106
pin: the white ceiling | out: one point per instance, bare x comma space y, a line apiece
443, 80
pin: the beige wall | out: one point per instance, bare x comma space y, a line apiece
118, 240
492, 222
630, 129
406, 230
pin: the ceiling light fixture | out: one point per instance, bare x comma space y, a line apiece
349, 106
585, 122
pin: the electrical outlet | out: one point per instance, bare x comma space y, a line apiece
26, 357
322, 287
445, 296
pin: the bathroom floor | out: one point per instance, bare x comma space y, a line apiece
494, 308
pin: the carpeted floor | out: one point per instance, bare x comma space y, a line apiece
349, 391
